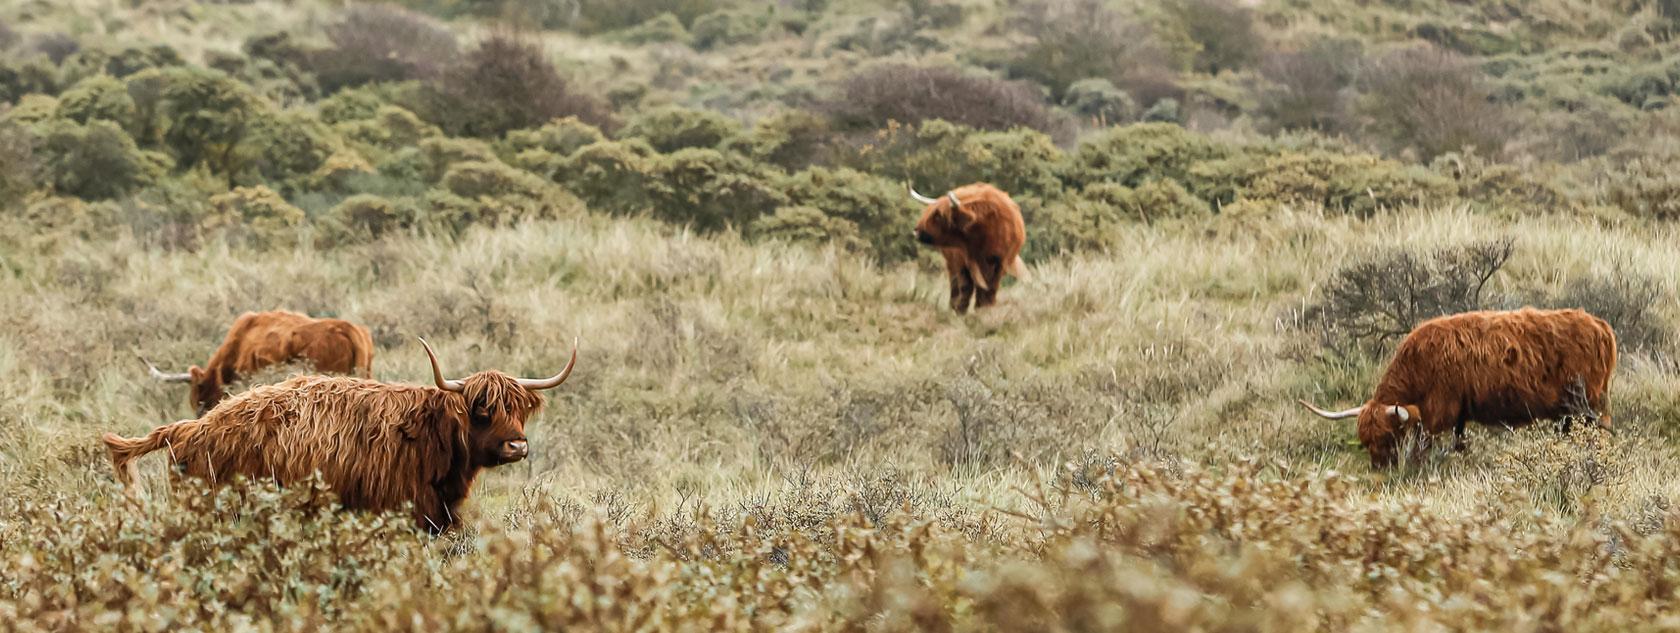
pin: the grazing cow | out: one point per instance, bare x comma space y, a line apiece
978, 229
1505, 368
263, 339
377, 445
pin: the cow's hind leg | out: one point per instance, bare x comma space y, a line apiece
992, 269
962, 290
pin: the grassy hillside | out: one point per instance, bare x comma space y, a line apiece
775, 422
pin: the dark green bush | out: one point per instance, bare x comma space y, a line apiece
807, 225
560, 137
671, 128
596, 17
483, 179
1358, 184
664, 28
98, 98
364, 217
286, 148
939, 156
910, 94
95, 161
1223, 31
438, 154
19, 166
503, 84
35, 76
391, 128
1099, 102
612, 176
121, 63
355, 104
790, 139
253, 216
200, 117
712, 190
1133, 154
878, 210
729, 27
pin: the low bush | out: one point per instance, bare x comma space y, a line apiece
1072, 40
1644, 188
121, 63
712, 190
253, 216
1099, 102
878, 211
19, 166
503, 84
1377, 299
1425, 100
1222, 30
287, 148
671, 128
437, 154
729, 27
96, 161
910, 94
937, 155
808, 225
34, 77
596, 17
612, 176
1134, 154
662, 29
1626, 298
364, 217
1307, 89
790, 139
98, 98
380, 43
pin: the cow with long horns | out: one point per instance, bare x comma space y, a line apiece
1500, 368
979, 230
378, 446
263, 339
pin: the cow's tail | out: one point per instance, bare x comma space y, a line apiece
125, 450
1018, 268
362, 344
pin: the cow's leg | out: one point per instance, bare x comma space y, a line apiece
992, 269
431, 514
962, 290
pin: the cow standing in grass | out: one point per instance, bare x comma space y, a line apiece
1504, 368
378, 446
979, 230
264, 339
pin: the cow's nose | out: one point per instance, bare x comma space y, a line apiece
924, 237
515, 449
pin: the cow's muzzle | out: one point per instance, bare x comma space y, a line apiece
515, 450
923, 236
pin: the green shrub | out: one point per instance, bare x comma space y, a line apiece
356, 104
671, 128
1359, 184
1089, 222
31, 109
20, 168
712, 190
34, 76
729, 27
255, 216
503, 84
611, 176
365, 217
1098, 101
939, 156
664, 28
339, 170
438, 154
1222, 30
560, 137
288, 147
96, 161
476, 179
597, 17
200, 117
1133, 154
45, 223
98, 98
807, 225
790, 139
878, 210
121, 63
391, 128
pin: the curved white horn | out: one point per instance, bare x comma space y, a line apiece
539, 384
919, 197
437, 374
1332, 415
953, 196
163, 377
1400, 412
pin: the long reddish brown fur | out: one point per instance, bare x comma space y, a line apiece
263, 339
1504, 368
376, 445
981, 239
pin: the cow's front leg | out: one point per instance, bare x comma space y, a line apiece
991, 269
962, 290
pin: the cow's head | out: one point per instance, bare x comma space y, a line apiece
204, 388
1382, 427
944, 220
497, 407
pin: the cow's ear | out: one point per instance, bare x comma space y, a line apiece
197, 373
963, 218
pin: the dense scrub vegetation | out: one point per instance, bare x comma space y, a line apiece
1230, 205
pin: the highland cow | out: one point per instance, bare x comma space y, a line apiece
979, 230
1505, 368
263, 339
378, 446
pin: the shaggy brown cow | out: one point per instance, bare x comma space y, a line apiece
377, 445
263, 339
978, 229
1504, 368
